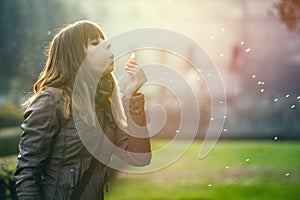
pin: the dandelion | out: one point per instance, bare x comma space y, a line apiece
132, 55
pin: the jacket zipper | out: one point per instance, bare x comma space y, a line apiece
72, 172
70, 182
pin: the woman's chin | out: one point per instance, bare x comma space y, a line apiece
109, 69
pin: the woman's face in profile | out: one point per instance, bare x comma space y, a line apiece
99, 55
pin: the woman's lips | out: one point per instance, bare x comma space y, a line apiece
111, 55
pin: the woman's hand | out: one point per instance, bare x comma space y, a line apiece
136, 78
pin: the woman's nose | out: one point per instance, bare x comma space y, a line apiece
107, 45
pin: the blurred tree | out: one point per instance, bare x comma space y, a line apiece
289, 13
25, 27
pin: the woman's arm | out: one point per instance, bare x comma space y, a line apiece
39, 128
137, 150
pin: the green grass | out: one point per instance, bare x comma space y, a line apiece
233, 170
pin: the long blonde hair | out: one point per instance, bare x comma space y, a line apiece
65, 54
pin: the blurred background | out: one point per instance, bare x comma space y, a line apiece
255, 45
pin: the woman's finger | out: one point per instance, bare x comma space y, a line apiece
133, 62
132, 65
132, 74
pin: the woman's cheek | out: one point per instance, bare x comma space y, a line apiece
99, 59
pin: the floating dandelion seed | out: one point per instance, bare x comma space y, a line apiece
221, 102
209, 185
198, 78
177, 131
298, 97
287, 96
49, 32
212, 37
224, 117
223, 29
225, 130
287, 174
253, 76
293, 106
222, 54
242, 42
259, 82
262, 82
262, 90
247, 160
275, 138
227, 167
248, 50
211, 118
276, 99
199, 70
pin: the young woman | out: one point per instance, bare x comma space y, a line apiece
53, 162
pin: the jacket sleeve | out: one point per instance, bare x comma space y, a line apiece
39, 129
137, 150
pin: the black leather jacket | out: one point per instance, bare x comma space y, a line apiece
52, 160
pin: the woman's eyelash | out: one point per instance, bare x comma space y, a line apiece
95, 43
